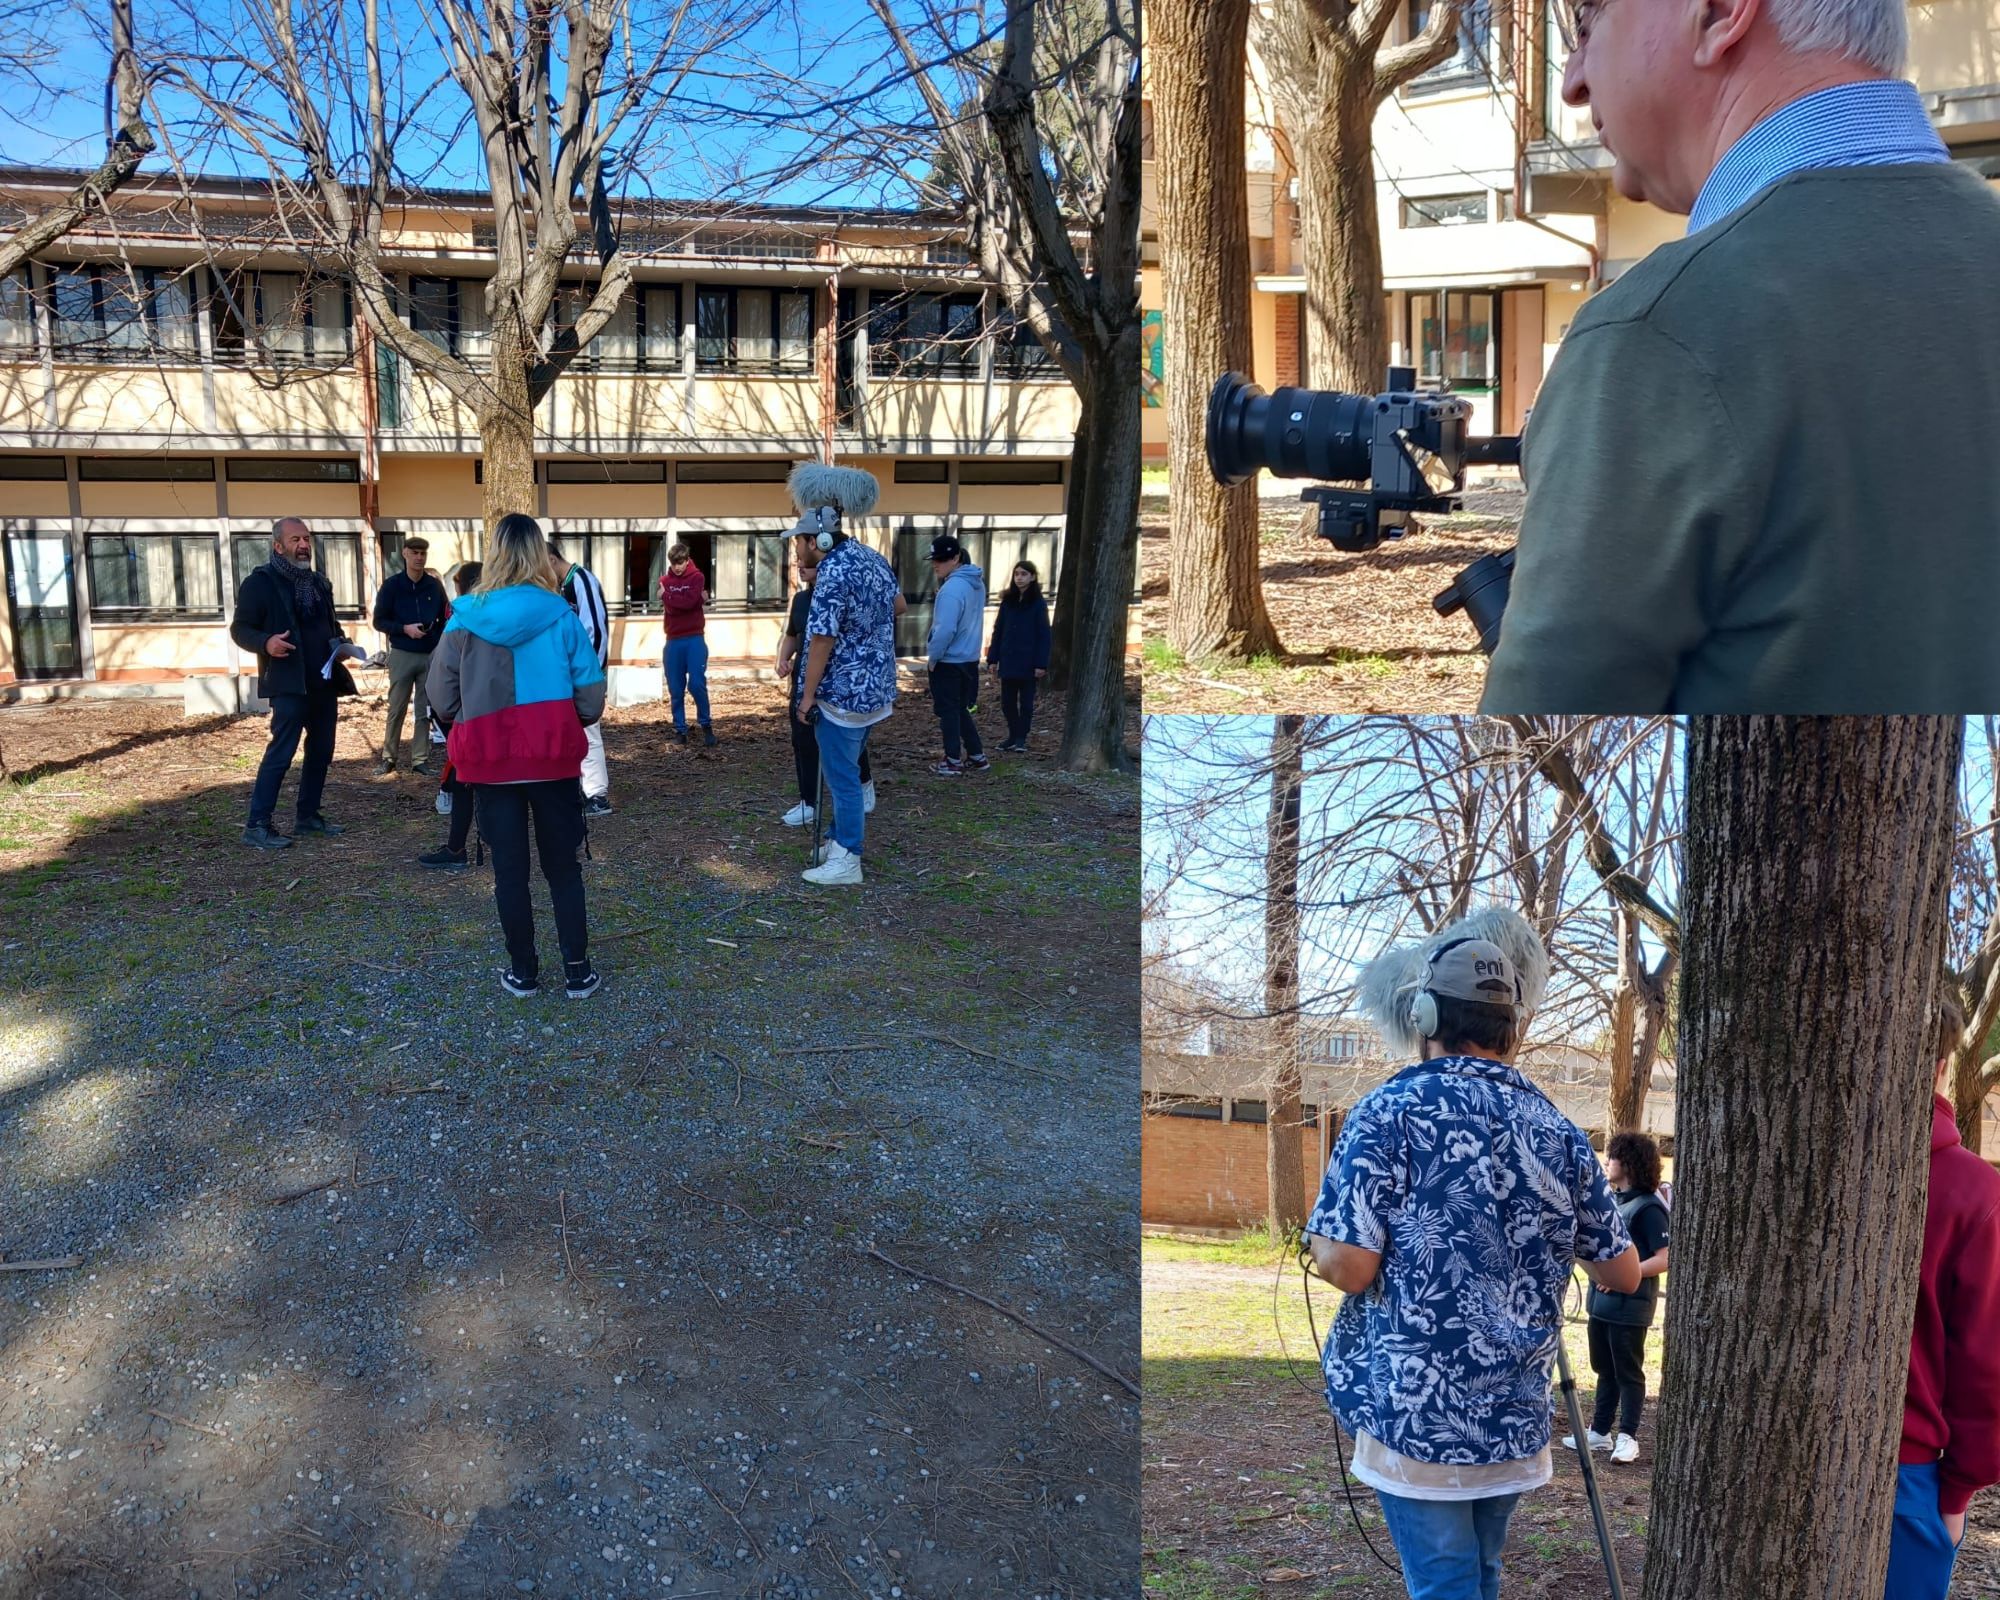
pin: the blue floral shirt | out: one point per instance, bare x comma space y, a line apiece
1479, 1195
854, 601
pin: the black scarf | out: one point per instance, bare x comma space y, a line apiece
312, 592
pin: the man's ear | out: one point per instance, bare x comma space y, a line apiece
1722, 26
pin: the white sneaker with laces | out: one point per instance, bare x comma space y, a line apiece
798, 816
868, 797
1626, 1450
1598, 1441
840, 865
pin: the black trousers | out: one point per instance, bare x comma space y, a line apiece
1618, 1357
316, 715
1017, 705
805, 758
555, 811
462, 803
955, 698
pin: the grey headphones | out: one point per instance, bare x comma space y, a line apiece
1424, 1007
826, 525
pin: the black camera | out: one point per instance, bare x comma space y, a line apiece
1406, 449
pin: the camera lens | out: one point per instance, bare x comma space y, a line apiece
1291, 433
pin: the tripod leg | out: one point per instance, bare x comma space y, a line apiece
819, 808
1589, 1471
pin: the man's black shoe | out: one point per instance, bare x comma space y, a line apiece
680, 736
265, 837
597, 805
520, 988
316, 825
441, 857
581, 986
708, 736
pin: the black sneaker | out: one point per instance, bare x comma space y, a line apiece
265, 837
597, 805
450, 860
708, 736
517, 987
316, 825
979, 763
582, 988
680, 736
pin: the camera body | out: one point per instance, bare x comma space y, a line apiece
1404, 451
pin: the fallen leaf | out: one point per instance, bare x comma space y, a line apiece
1285, 1575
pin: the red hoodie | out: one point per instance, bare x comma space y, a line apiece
681, 599
1951, 1414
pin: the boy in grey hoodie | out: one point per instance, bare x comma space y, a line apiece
958, 622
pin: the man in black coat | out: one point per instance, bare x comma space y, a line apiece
284, 615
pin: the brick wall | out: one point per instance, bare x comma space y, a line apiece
1195, 1173
1291, 314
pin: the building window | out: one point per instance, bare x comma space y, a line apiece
924, 335
744, 571
292, 469
1248, 1111
660, 327
338, 555
451, 314
45, 469
136, 577
17, 317
1475, 56
146, 469
923, 472
753, 330
1048, 470
573, 469
766, 471
113, 313
279, 319
1018, 352
1205, 1110
1452, 335
1444, 210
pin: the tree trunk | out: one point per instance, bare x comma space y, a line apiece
1968, 1101
1284, 1193
1094, 733
1347, 326
507, 439
1818, 859
1215, 603
1629, 1079
1067, 582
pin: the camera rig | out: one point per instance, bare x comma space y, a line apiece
1404, 452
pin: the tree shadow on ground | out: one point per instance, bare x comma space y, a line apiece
392, 1284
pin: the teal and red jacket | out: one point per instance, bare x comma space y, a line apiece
516, 678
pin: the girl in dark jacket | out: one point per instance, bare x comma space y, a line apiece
1019, 651
1618, 1322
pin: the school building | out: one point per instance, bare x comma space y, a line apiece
1494, 200
177, 374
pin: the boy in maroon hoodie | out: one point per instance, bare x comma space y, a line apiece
684, 600
1951, 1414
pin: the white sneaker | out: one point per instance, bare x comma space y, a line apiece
1598, 1441
868, 797
798, 816
840, 865
1626, 1450
444, 803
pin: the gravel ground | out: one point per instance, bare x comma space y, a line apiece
394, 1285
1358, 630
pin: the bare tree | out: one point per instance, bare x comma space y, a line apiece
1027, 197
557, 94
1818, 858
1973, 972
1284, 1207
1215, 596
128, 141
1331, 67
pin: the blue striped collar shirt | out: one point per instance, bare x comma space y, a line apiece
1878, 123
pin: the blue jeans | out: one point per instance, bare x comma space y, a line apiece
1450, 1548
840, 765
1921, 1554
317, 716
687, 669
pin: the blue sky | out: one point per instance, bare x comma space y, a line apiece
737, 121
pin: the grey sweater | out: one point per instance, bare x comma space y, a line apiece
1764, 470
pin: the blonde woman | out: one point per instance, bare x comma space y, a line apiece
518, 679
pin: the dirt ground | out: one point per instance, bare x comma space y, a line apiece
391, 1284
1242, 1495
1358, 630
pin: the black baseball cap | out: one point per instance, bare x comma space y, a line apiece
945, 548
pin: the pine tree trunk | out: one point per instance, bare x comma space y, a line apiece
1818, 857
1094, 734
1347, 327
1284, 1194
1195, 51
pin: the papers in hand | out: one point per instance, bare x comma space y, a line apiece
342, 647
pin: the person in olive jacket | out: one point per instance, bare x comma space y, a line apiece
410, 611
284, 615
1018, 652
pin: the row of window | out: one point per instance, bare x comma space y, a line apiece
118, 313
561, 469
178, 576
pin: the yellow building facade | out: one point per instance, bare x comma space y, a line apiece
1495, 204
174, 378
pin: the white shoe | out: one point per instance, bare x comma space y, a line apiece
1626, 1450
444, 803
839, 865
798, 816
868, 797
1598, 1441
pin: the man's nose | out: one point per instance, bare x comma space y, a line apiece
1575, 90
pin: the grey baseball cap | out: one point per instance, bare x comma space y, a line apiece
1474, 970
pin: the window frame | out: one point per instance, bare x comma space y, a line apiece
1478, 44
180, 610
937, 356
1442, 298
106, 279
232, 344
359, 607
732, 361
1019, 356
1411, 215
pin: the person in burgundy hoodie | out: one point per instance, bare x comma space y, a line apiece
1951, 1413
684, 598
